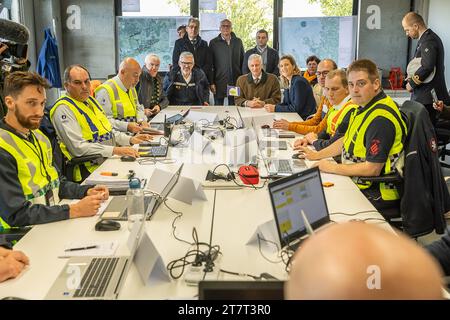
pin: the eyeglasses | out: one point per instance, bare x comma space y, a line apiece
184, 63
151, 65
323, 73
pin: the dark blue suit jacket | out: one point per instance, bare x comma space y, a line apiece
298, 98
272, 61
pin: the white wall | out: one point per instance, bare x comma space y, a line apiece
439, 23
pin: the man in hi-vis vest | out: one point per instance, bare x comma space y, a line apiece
374, 138
119, 98
31, 187
82, 126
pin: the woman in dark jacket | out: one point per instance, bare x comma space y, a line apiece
298, 97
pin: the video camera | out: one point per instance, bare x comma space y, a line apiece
15, 50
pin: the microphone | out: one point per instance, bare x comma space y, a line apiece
13, 31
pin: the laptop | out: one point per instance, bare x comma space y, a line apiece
148, 150
177, 118
241, 290
97, 277
289, 196
117, 208
280, 145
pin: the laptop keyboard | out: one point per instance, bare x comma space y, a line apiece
280, 166
281, 145
156, 151
97, 277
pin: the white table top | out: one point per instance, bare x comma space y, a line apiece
236, 215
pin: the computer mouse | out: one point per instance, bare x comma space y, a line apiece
298, 156
265, 126
127, 158
107, 225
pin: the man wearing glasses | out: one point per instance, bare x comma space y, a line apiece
187, 85
228, 57
312, 124
193, 43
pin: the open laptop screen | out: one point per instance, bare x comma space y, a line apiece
300, 191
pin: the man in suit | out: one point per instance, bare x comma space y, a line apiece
193, 43
431, 51
269, 55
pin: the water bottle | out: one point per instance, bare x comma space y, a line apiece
135, 202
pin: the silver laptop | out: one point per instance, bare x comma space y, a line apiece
302, 191
97, 277
117, 208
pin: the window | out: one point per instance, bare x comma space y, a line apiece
156, 8
246, 16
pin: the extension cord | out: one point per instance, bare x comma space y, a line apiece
195, 274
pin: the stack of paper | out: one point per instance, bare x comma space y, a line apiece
112, 182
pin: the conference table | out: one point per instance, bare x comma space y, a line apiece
227, 217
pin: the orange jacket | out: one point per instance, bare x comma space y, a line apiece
316, 124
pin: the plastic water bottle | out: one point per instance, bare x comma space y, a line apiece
135, 202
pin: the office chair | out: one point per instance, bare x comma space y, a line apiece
443, 137
424, 196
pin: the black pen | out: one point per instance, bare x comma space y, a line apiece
81, 248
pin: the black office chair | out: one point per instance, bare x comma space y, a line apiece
424, 196
443, 137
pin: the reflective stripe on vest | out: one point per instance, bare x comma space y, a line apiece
354, 150
123, 105
335, 119
34, 164
95, 126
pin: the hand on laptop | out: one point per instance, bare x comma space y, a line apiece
126, 151
302, 142
86, 207
134, 127
308, 153
99, 189
139, 138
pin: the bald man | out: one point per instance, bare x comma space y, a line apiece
361, 261
119, 98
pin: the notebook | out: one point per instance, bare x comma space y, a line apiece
289, 196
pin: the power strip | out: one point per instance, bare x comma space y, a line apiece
195, 274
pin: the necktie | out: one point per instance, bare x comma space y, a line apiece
256, 80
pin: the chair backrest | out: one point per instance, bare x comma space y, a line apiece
47, 128
425, 198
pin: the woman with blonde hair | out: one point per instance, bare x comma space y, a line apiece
298, 95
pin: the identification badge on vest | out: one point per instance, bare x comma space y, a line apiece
50, 198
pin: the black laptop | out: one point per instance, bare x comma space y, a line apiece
291, 195
241, 290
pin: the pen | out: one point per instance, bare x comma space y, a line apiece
109, 174
81, 248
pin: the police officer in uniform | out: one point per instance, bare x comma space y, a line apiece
374, 139
31, 187
430, 71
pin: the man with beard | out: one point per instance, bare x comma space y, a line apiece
31, 186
